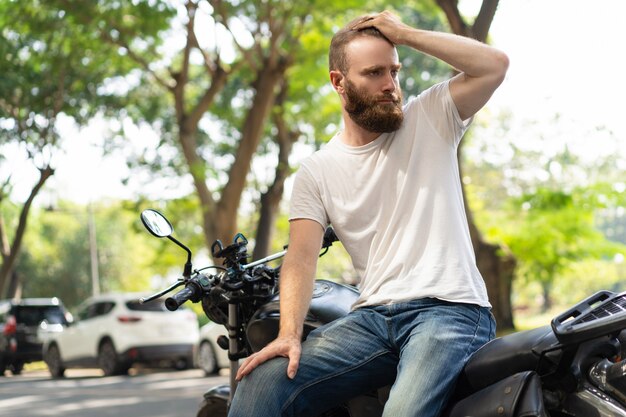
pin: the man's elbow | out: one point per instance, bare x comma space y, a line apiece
500, 62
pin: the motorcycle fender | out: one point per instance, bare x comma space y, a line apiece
516, 396
221, 392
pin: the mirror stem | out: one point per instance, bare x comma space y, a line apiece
188, 267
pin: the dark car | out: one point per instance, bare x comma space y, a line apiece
20, 321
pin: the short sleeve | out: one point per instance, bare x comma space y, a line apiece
306, 199
442, 114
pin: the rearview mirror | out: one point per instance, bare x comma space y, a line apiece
156, 223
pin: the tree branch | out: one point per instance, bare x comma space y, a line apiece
183, 75
483, 21
210, 65
137, 58
457, 24
218, 6
217, 83
106, 36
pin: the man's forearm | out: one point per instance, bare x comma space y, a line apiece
296, 290
467, 55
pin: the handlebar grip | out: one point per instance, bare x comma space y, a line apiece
172, 303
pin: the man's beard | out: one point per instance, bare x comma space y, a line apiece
372, 115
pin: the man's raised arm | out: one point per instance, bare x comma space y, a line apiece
482, 68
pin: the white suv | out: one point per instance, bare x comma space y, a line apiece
115, 331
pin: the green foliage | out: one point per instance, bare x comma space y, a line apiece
51, 64
553, 235
56, 256
551, 230
312, 107
587, 276
553, 208
56, 63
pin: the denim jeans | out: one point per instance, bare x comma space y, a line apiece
418, 346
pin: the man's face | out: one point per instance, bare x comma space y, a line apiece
373, 98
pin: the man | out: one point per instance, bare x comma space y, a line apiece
389, 185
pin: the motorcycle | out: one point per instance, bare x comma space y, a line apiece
570, 368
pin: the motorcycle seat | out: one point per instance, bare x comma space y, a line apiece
505, 356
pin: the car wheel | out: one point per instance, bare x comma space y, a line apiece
207, 361
108, 360
16, 368
54, 362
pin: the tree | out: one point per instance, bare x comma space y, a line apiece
51, 68
194, 78
241, 73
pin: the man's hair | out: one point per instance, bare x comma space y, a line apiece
337, 59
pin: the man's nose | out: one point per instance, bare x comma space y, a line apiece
389, 83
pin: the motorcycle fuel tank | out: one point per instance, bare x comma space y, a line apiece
330, 301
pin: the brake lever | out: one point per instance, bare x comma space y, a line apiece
177, 284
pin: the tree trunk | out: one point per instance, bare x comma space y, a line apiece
225, 216
270, 200
14, 291
546, 288
496, 265
197, 170
9, 257
497, 271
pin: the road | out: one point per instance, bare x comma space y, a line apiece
144, 393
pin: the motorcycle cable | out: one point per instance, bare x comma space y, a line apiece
221, 268
177, 284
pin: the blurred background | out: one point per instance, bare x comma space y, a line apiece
203, 110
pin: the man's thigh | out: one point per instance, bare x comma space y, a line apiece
340, 360
433, 353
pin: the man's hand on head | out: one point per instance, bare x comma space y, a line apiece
387, 23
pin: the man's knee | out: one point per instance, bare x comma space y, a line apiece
261, 392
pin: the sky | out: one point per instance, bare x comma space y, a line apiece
566, 59
566, 62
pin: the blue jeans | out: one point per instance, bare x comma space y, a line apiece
418, 346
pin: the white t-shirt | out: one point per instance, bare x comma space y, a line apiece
396, 204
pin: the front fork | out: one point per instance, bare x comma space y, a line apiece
233, 348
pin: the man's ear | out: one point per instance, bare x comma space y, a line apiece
337, 80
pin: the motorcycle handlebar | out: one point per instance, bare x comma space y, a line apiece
172, 303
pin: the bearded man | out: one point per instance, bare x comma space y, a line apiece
389, 185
